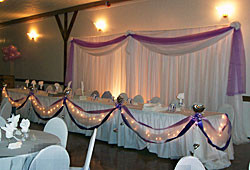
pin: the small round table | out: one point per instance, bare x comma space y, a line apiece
20, 159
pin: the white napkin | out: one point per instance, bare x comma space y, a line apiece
40, 83
25, 124
69, 83
9, 129
57, 85
14, 120
33, 83
27, 83
180, 96
15, 145
82, 87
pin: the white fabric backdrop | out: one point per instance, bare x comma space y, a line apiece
134, 68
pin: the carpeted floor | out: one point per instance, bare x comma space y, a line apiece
112, 157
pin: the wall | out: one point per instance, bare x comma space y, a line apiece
44, 59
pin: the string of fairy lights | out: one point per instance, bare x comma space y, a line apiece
218, 136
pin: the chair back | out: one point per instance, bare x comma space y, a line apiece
78, 92
6, 110
90, 150
2, 122
50, 89
155, 100
124, 96
58, 127
53, 157
95, 93
107, 95
138, 99
189, 163
229, 110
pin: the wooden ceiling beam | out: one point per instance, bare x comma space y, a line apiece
61, 11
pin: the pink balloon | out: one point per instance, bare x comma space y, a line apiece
10, 53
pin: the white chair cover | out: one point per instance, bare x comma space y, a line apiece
89, 153
176, 102
58, 127
6, 110
107, 95
59, 90
124, 96
227, 108
138, 99
53, 157
2, 122
95, 93
155, 100
50, 89
189, 163
78, 92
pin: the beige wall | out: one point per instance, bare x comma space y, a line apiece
44, 59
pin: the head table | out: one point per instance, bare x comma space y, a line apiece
20, 158
114, 131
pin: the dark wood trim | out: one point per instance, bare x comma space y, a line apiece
71, 24
45, 82
60, 11
59, 24
65, 26
246, 98
65, 32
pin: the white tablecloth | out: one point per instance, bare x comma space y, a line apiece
211, 157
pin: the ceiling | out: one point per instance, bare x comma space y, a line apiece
16, 9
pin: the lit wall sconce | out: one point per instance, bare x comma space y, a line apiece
1, 1
225, 10
100, 25
33, 35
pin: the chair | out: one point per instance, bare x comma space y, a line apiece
124, 96
53, 157
155, 100
107, 95
95, 93
78, 92
175, 102
138, 99
89, 153
189, 163
50, 89
2, 122
6, 110
58, 127
227, 108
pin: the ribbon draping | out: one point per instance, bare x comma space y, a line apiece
237, 68
89, 120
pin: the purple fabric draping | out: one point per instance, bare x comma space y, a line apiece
237, 67
187, 122
182, 39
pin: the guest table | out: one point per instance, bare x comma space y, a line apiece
114, 131
20, 158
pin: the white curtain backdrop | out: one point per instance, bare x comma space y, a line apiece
136, 68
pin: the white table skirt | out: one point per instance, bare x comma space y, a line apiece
211, 157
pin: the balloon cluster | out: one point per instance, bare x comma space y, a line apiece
10, 53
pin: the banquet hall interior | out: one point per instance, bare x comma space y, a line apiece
125, 84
